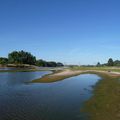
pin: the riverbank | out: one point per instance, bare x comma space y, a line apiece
105, 103
63, 74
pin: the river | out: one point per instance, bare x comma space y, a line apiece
21, 100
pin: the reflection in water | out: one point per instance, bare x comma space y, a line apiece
12, 68
44, 101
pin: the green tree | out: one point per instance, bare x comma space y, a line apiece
110, 62
21, 57
51, 64
60, 64
98, 64
3, 61
117, 63
41, 63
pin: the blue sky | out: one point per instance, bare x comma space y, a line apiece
70, 31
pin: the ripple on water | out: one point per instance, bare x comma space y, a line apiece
44, 101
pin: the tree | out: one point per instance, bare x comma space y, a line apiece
41, 63
59, 64
21, 57
110, 62
117, 63
51, 64
98, 64
3, 60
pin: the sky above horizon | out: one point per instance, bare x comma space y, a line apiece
69, 31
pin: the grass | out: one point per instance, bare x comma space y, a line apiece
48, 78
113, 69
105, 104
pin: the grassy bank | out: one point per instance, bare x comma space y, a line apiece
105, 104
103, 68
57, 76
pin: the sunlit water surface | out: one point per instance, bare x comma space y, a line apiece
44, 101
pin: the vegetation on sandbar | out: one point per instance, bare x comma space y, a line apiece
56, 76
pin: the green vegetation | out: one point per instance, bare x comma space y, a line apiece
20, 58
3, 61
116, 63
110, 62
98, 64
105, 104
52, 77
48, 79
43, 63
101, 68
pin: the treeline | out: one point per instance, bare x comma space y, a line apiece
110, 62
44, 63
23, 57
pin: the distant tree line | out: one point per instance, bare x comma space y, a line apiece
44, 63
23, 57
110, 62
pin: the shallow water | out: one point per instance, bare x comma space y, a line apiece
5, 68
12, 68
43, 101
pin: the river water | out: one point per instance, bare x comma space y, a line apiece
61, 100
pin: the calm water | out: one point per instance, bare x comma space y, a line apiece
12, 68
43, 101
5, 68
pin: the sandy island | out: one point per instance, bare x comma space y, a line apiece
61, 75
